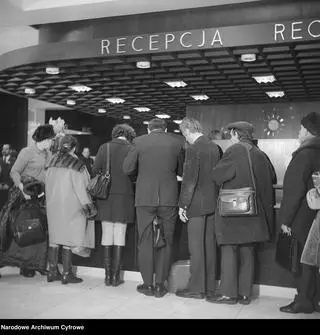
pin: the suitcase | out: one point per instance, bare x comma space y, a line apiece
179, 276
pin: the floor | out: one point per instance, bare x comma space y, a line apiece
34, 298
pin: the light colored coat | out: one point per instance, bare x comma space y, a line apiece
66, 196
311, 250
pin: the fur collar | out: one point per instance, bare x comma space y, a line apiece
66, 161
312, 143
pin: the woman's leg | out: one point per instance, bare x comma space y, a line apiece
68, 276
107, 242
119, 239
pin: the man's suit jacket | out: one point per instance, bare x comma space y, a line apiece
157, 158
198, 190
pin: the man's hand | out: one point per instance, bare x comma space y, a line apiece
286, 229
183, 215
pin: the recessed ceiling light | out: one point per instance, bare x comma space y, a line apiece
52, 70
142, 109
126, 117
146, 122
102, 111
28, 90
275, 94
176, 83
177, 131
177, 121
200, 97
264, 79
80, 88
163, 116
115, 100
71, 102
248, 57
143, 65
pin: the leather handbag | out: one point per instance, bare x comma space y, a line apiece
287, 252
99, 186
239, 201
30, 225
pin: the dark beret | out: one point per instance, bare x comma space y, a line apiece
241, 125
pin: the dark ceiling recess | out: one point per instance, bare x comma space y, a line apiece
219, 73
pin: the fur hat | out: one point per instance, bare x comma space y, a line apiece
43, 132
312, 123
241, 125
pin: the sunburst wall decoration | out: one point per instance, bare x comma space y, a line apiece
274, 123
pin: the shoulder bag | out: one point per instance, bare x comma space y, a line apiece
239, 201
99, 186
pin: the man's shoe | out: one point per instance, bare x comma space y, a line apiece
188, 294
244, 300
27, 273
210, 294
296, 307
160, 291
146, 289
222, 299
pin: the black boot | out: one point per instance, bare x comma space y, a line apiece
53, 273
108, 264
25, 272
117, 253
68, 276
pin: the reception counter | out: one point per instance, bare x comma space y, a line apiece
267, 272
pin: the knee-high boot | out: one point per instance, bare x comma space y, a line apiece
53, 273
68, 276
108, 264
117, 253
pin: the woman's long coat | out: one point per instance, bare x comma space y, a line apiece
66, 197
232, 172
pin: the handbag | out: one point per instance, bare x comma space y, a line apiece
159, 240
30, 225
99, 186
287, 252
239, 201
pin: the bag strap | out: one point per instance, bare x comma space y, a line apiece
108, 159
250, 166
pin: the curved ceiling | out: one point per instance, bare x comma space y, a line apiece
218, 73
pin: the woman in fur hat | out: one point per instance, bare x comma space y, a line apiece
68, 207
30, 163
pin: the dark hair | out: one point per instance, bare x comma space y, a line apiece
191, 124
67, 143
244, 135
123, 130
157, 124
43, 132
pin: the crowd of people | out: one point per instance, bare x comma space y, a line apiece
144, 188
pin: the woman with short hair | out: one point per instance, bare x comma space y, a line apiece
118, 209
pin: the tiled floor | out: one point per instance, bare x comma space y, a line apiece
34, 298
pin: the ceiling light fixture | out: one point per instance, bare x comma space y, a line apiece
102, 111
200, 97
163, 116
116, 100
126, 117
275, 94
52, 70
146, 122
177, 131
176, 83
71, 102
264, 79
80, 88
28, 90
177, 121
248, 57
142, 109
143, 65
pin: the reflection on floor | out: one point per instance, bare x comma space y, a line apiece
34, 298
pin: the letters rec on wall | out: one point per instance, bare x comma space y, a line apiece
265, 33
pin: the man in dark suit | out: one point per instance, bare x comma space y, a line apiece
157, 158
296, 217
197, 205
